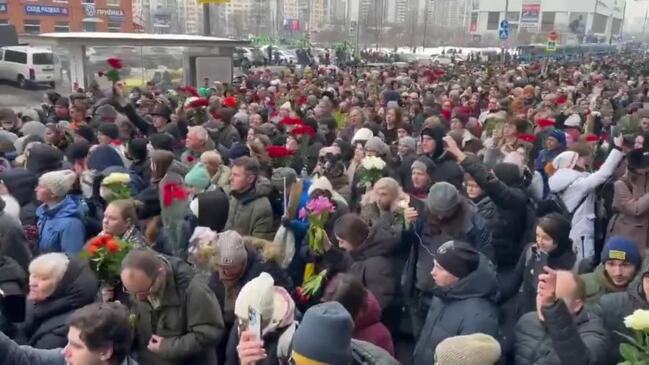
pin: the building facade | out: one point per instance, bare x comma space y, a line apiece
46, 16
601, 18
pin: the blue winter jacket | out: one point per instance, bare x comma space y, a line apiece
60, 228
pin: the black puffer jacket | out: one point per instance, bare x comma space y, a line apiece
46, 327
375, 264
21, 184
561, 339
13, 281
503, 207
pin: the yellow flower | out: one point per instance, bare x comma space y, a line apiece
638, 321
116, 178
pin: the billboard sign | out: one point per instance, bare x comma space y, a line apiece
162, 21
530, 14
46, 10
112, 14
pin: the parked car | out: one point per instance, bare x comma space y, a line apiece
27, 66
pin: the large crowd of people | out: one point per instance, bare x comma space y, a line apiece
468, 213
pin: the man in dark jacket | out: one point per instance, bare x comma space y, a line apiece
613, 307
464, 301
178, 317
446, 215
501, 202
562, 332
432, 146
250, 212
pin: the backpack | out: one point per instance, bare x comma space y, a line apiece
554, 204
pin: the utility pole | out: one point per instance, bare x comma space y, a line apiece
207, 26
644, 24
423, 43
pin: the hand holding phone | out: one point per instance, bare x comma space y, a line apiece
254, 323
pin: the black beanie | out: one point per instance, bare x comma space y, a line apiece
458, 258
163, 141
87, 133
508, 173
77, 151
137, 148
109, 130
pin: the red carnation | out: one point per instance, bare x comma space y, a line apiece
198, 103
173, 191
291, 121
230, 102
278, 152
591, 138
527, 137
546, 123
115, 63
192, 91
561, 99
303, 130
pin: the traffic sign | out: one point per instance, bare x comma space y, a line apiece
551, 46
503, 31
553, 36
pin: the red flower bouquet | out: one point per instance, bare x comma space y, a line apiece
115, 65
303, 130
546, 123
197, 110
527, 138
279, 155
105, 254
173, 191
230, 102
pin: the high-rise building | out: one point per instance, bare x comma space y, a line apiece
449, 13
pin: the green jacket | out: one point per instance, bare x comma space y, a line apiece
598, 284
189, 319
250, 213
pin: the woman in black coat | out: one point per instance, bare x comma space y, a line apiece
58, 285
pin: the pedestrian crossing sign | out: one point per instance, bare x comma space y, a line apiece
551, 46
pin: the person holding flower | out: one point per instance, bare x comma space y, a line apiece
120, 221
197, 141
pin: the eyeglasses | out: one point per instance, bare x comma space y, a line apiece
146, 292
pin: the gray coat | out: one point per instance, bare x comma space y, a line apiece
561, 339
465, 308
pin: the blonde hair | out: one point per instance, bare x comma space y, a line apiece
385, 183
211, 156
53, 264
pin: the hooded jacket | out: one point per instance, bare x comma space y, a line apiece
561, 339
46, 323
375, 265
573, 185
250, 212
189, 318
467, 307
13, 281
13, 243
503, 208
598, 284
365, 353
368, 326
60, 228
446, 169
44, 158
631, 202
21, 184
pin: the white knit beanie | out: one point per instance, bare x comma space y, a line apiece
58, 182
475, 349
362, 134
565, 160
258, 294
321, 183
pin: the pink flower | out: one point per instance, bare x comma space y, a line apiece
320, 205
303, 214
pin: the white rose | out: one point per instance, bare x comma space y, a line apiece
638, 321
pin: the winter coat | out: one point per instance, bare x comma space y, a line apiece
522, 281
504, 210
188, 318
613, 307
365, 353
221, 179
573, 185
21, 184
250, 213
255, 265
368, 326
45, 326
375, 265
13, 281
631, 202
404, 172
447, 170
426, 237
597, 284
561, 339
60, 228
467, 307
13, 242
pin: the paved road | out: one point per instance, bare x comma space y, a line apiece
16, 98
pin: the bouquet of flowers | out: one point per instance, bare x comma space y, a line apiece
310, 287
636, 350
402, 206
105, 254
279, 155
317, 213
372, 170
197, 110
203, 246
115, 186
114, 65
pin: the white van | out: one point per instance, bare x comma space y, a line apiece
27, 65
